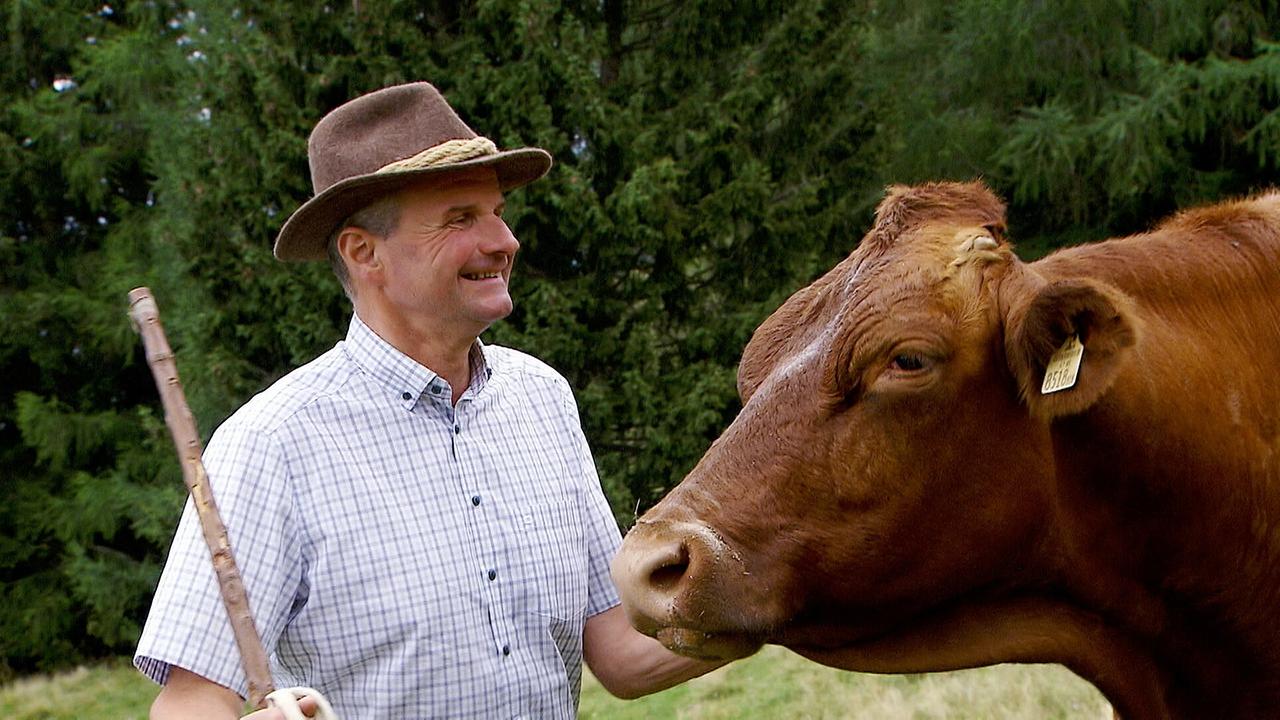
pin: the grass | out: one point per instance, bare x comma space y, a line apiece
772, 684
111, 691
778, 684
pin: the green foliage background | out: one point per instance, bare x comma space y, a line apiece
712, 157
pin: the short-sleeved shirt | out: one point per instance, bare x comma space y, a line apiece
406, 557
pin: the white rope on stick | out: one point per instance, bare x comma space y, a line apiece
286, 701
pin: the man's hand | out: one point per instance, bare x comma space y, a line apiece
629, 664
308, 706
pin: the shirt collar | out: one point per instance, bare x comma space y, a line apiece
404, 378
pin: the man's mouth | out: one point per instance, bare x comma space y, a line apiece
482, 276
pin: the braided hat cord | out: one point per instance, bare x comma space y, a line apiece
448, 152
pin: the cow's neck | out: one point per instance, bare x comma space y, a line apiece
1028, 628
1163, 535
1168, 517
1168, 488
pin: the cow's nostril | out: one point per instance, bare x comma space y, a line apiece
668, 576
667, 567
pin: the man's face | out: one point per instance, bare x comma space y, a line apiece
447, 263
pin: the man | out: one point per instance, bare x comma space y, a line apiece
416, 515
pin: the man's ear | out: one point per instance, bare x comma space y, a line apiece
356, 246
1040, 322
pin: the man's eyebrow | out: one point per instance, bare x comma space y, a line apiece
471, 208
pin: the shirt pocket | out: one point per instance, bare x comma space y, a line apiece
554, 550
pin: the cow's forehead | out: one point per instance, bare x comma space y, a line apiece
930, 248
933, 279
942, 259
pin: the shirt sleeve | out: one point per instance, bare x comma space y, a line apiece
601, 530
187, 625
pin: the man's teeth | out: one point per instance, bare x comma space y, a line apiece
480, 276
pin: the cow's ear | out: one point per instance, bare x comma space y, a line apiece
1038, 326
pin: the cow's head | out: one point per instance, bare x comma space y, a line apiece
891, 461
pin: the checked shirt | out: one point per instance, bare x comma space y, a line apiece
407, 558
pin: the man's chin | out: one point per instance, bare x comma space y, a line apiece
488, 313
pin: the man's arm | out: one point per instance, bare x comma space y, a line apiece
629, 664
188, 696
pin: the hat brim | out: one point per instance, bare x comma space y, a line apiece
306, 232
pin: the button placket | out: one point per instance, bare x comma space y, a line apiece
489, 549
457, 416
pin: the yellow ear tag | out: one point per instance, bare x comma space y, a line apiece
1063, 367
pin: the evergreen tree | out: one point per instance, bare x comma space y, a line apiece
1093, 118
85, 506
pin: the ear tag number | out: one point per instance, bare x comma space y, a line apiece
1063, 367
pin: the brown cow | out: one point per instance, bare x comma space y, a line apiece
898, 495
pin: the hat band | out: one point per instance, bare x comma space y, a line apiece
446, 153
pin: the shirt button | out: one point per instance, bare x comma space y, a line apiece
435, 389
475, 499
406, 395
506, 649
493, 574
457, 429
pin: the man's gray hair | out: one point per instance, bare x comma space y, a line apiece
379, 217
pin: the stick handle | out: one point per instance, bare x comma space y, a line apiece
182, 426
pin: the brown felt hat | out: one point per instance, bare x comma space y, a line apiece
379, 142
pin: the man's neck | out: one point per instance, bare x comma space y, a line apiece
446, 354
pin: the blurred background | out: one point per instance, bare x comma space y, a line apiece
711, 158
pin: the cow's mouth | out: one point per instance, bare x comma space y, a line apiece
707, 645
818, 642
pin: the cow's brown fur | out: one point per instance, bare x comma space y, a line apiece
880, 517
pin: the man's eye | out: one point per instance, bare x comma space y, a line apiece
462, 221
908, 362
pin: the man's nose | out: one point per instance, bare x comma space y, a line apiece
500, 239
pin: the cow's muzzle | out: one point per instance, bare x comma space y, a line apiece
673, 578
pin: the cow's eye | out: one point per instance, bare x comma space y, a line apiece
909, 362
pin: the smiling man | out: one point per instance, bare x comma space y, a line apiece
416, 514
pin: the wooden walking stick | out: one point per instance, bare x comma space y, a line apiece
182, 426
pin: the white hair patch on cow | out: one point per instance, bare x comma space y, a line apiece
975, 245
